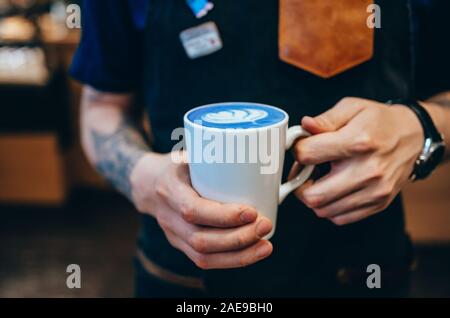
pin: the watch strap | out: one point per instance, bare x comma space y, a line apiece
429, 128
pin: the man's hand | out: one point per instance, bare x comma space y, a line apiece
211, 234
372, 148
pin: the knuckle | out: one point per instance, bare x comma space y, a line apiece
312, 201
346, 100
201, 261
141, 207
378, 208
239, 241
301, 153
364, 143
171, 240
163, 223
375, 174
385, 192
325, 121
382, 196
339, 221
236, 214
383, 206
299, 194
244, 261
375, 171
390, 189
198, 242
321, 213
161, 190
187, 212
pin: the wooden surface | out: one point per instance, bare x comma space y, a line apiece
428, 207
31, 169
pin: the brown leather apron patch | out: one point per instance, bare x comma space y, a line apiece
325, 37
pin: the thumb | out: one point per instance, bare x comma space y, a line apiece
335, 118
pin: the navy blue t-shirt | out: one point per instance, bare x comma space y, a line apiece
109, 55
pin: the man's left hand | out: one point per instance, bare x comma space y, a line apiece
372, 148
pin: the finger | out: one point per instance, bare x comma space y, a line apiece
213, 240
174, 240
350, 203
322, 148
356, 216
235, 259
292, 174
294, 170
343, 180
177, 192
197, 210
200, 211
299, 192
335, 137
173, 222
333, 146
335, 118
312, 126
215, 214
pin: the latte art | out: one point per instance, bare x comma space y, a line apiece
235, 116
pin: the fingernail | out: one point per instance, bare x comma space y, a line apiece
264, 250
263, 228
248, 216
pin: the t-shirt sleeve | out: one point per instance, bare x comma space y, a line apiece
109, 54
433, 51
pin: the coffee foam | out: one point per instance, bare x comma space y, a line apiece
236, 115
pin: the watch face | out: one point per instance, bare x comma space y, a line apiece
437, 156
434, 159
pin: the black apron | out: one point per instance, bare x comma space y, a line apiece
308, 251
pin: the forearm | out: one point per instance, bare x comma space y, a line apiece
111, 138
439, 109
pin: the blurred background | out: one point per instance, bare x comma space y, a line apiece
56, 211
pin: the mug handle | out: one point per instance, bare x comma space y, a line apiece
293, 134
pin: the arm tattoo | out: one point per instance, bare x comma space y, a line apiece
117, 154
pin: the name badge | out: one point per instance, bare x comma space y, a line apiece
201, 40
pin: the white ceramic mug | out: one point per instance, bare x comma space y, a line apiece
221, 147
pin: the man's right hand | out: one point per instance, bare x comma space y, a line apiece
213, 235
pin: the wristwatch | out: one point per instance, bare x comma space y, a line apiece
434, 146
